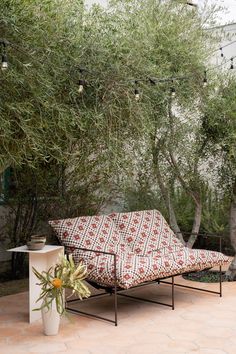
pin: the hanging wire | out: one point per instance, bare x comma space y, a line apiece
222, 64
222, 47
221, 54
151, 80
232, 63
191, 3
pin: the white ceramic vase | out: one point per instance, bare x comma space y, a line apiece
51, 320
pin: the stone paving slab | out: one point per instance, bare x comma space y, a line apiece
201, 323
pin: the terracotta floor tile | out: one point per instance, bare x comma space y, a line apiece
9, 332
146, 348
218, 332
48, 348
76, 351
209, 351
202, 323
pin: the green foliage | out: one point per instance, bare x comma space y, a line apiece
215, 212
42, 115
44, 121
219, 130
142, 196
205, 276
38, 118
64, 275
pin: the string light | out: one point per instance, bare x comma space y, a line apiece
4, 62
81, 80
136, 91
221, 54
172, 90
81, 86
4, 65
222, 47
205, 79
137, 94
151, 80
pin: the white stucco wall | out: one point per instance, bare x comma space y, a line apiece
228, 34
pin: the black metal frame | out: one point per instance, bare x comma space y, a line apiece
116, 291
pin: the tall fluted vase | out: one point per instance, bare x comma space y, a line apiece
51, 320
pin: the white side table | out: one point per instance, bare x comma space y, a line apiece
41, 260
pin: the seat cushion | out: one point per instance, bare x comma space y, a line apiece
145, 231
133, 269
188, 260
91, 232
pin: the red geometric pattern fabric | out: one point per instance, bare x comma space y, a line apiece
133, 269
146, 248
188, 260
146, 231
97, 232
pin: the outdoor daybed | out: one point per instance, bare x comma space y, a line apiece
124, 250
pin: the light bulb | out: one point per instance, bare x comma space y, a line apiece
173, 92
4, 62
136, 94
81, 86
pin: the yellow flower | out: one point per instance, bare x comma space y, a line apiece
57, 283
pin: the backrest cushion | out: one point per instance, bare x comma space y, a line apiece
91, 232
145, 231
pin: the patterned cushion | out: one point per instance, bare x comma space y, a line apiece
189, 260
133, 269
92, 232
145, 246
145, 231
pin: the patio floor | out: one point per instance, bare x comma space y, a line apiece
201, 323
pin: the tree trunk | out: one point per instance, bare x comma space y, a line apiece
231, 273
165, 194
196, 197
196, 224
193, 193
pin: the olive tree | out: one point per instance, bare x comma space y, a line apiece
172, 142
39, 119
56, 46
219, 131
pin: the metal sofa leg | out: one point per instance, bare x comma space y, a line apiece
115, 288
173, 292
115, 304
220, 281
